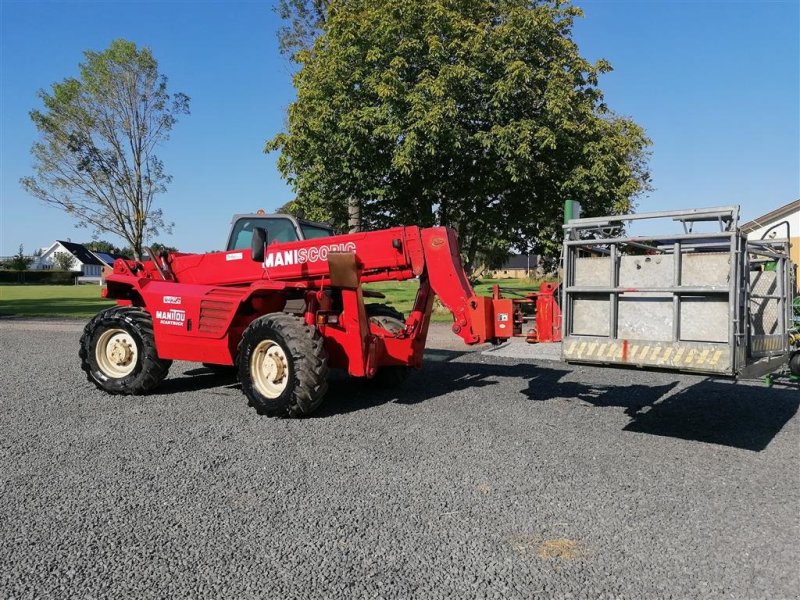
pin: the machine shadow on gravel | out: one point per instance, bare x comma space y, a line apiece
722, 413
196, 380
710, 411
713, 412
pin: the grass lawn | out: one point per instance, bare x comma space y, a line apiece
78, 301
401, 294
84, 301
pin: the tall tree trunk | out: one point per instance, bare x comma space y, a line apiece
444, 212
427, 216
353, 215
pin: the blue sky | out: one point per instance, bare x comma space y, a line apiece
715, 84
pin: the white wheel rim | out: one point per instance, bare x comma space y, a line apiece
269, 368
116, 353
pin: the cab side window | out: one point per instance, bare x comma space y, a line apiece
310, 232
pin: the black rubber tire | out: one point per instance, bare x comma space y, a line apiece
794, 364
149, 370
394, 376
384, 310
307, 365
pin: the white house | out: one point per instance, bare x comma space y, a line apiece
89, 264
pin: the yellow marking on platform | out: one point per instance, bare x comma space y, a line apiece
678, 356
581, 348
655, 354
592, 348
690, 357
643, 354
703, 356
571, 348
716, 357
667, 354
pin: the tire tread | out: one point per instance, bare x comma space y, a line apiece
310, 365
154, 370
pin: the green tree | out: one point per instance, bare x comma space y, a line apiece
19, 262
102, 246
304, 22
98, 134
158, 248
291, 208
63, 261
476, 114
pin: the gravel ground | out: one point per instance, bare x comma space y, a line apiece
518, 348
486, 477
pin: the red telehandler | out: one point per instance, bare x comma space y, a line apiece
284, 310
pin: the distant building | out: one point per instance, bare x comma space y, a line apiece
89, 264
518, 266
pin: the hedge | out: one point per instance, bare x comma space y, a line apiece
45, 277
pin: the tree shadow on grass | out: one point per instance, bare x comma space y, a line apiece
62, 307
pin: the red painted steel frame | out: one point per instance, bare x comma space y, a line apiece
203, 302
548, 314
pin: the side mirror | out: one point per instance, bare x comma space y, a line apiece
258, 244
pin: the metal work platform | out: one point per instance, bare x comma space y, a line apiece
704, 301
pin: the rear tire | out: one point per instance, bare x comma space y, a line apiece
393, 321
118, 352
283, 366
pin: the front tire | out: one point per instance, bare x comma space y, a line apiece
118, 352
283, 366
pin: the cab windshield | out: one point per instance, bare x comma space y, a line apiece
278, 230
